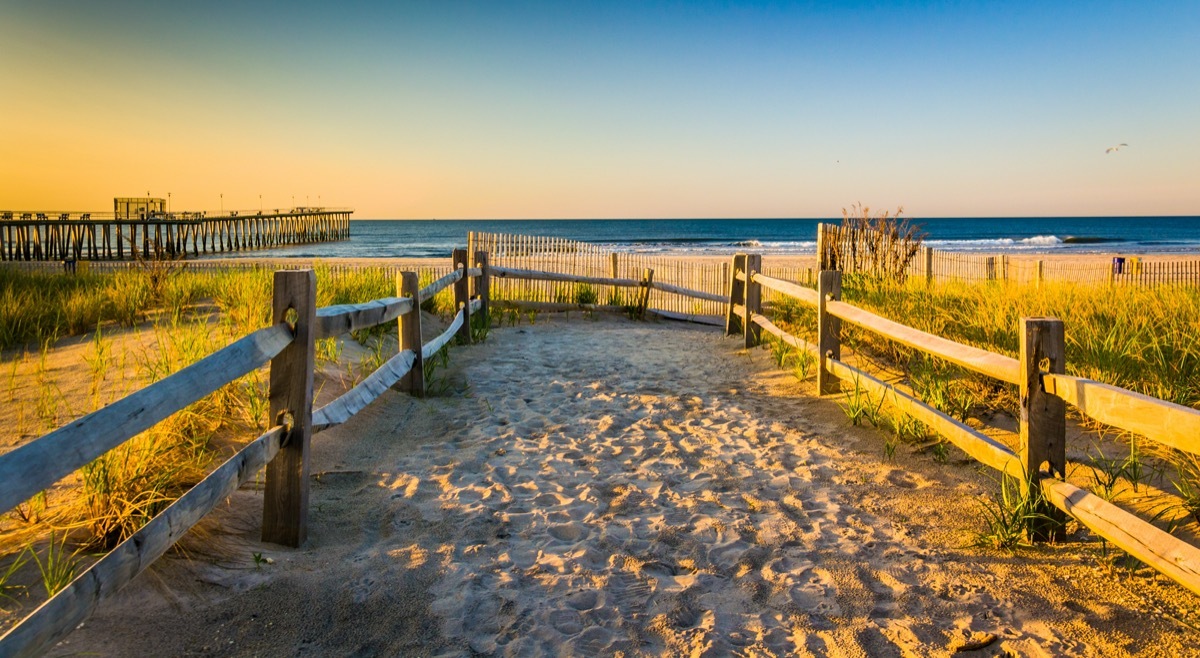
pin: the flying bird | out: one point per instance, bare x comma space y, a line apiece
1114, 148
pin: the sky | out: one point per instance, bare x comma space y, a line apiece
444, 109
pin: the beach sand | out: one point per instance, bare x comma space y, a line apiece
596, 486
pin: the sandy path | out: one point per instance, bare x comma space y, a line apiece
608, 487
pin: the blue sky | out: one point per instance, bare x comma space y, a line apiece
576, 109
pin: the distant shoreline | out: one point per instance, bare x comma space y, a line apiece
786, 260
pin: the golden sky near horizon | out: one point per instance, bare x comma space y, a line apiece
592, 112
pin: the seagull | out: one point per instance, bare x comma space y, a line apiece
1114, 148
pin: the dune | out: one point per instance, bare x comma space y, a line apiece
596, 486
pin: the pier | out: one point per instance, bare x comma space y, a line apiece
139, 233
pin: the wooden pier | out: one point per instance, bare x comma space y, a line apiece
43, 236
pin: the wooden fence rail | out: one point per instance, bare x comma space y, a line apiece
282, 450
1040, 459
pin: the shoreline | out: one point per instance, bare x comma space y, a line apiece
784, 260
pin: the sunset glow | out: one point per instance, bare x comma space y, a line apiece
592, 110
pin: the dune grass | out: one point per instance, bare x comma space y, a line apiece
180, 316
1142, 339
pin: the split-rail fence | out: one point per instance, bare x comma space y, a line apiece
1044, 391
288, 346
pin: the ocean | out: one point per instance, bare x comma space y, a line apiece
1028, 235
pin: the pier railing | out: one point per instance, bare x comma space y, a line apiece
49, 236
1039, 461
288, 346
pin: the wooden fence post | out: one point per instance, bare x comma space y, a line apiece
1041, 275
1043, 430
644, 300
462, 296
928, 266
483, 286
829, 288
616, 265
285, 500
753, 304
737, 295
408, 285
990, 265
822, 255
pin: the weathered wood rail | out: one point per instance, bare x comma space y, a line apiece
40, 236
1040, 459
288, 346
638, 303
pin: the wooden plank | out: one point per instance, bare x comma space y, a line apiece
441, 284
462, 296
35, 466
993, 365
74, 604
356, 399
687, 292
644, 293
409, 327
750, 331
829, 347
1171, 556
1043, 417
979, 446
285, 497
737, 296
1170, 424
345, 318
434, 346
774, 330
556, 307
807, 295
513, 273
483, 286
714, 320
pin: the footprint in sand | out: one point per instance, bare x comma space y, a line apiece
568, 532
593, 641
585, 600
903, 479
567, 622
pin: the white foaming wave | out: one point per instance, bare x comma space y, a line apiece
993, 244
714, 248
1042, 240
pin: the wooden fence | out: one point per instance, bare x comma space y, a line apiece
288, 346
1040, 460
840, 248
563, 256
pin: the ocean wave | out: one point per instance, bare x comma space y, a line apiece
1043, 240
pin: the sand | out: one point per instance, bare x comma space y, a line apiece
603, 487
